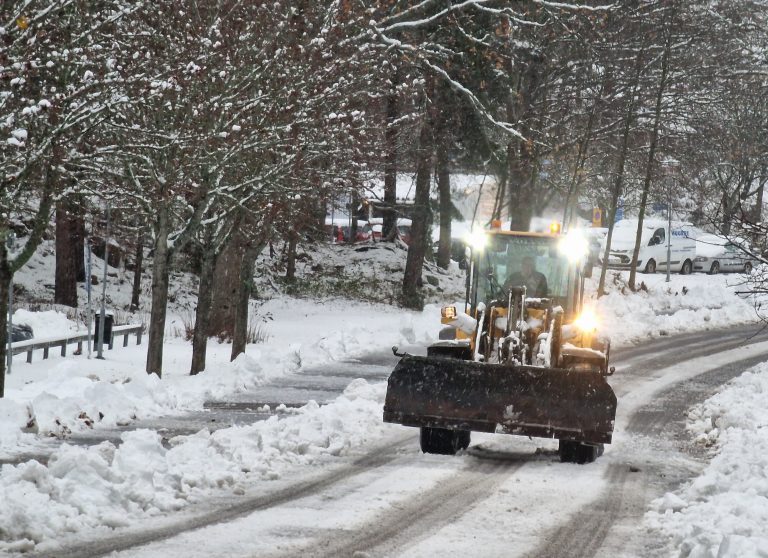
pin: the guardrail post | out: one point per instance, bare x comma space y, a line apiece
138, 336
125, 339
29, 356
45, 352
64, 348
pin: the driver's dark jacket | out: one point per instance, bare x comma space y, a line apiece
535, 284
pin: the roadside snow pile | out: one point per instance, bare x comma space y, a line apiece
85, 488
724, 512
64, 395
46, 324
686, 303
14, 419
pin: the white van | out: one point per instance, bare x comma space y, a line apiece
653, 246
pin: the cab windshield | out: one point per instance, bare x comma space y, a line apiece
533, 261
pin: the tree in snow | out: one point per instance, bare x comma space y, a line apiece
56, 90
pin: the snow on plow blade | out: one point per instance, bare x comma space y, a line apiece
526, 400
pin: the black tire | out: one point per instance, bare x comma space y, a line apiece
715, 269
748, 268
687, 268
579, 452
443, 441
650, 267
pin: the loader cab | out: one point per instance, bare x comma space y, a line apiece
495, 266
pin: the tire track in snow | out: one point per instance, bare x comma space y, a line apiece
408, 523
600, 528
381, 456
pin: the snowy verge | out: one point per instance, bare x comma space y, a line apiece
104, 486
61, 395
724, 512
687, 303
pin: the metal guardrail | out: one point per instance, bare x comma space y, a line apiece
49, 342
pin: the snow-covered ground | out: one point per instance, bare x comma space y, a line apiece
724, 512
687, 303
88, 490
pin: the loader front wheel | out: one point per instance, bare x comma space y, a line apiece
579, 452
443, 441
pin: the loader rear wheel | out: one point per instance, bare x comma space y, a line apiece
443, 441
579, 452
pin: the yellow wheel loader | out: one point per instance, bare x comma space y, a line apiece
524, 357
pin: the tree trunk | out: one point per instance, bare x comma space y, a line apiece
65, 284
729, 210
521, 157
446, 208
6, 278
159, 294
502, 177
203, 310
390, 166
629, 116
758, 213
354, 202
136, 291
8, 267
240, 335
414, 263
226, 288
290, 268
520, 201
649, 164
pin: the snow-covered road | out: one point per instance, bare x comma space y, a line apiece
505, 496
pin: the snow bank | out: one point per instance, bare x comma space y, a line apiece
45, 324
686, 303
15, 419
74, 394
724, 512
85, 488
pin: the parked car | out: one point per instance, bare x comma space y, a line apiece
338, 229
403, 228
653, 246
718, 254
21, 332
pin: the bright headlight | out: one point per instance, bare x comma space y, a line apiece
477, 239
574, 245
587, 321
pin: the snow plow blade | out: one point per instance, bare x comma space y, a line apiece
527, 400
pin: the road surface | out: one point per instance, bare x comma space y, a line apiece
505, 496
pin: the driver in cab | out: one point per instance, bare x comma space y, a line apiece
534, 281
